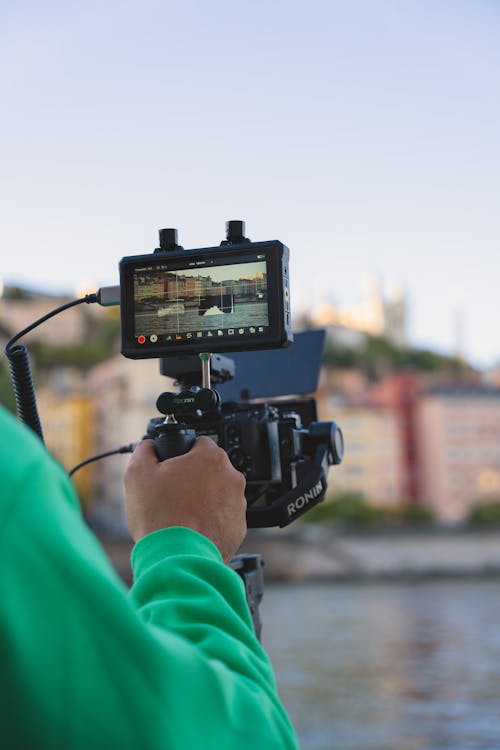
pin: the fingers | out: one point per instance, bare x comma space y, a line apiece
145, 457
144, 453
213, 452
199, 489
204, 443
206, 448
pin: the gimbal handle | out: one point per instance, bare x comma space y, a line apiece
308, 492
172, 439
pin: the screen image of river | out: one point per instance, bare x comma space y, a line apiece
244, 315
224, 297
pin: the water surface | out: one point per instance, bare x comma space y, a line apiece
252, 314
388, 666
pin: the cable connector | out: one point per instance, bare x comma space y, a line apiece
19, 363
107, 296
123, 449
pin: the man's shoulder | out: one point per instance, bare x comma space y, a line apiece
25, 463
20, 445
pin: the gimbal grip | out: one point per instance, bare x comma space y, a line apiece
173, 440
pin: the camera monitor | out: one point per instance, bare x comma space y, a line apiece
230, 298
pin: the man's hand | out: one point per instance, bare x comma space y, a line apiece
200, 490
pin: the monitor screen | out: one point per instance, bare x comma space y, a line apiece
202, 301
205, 300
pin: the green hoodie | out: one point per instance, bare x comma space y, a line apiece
172, 664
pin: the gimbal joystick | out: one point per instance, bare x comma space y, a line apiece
173, 438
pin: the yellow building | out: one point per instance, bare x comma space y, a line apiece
68, 429
373, 461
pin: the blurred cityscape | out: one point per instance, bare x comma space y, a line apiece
422, 430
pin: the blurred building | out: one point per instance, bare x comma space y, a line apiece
69, 328
66, 414
373, 463
458, 431
377, 315
492, 376
124, 393
400, 392
348, 382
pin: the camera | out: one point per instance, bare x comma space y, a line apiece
185, 306
176, 304
285, 462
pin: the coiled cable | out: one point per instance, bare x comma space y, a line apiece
20, 368
24, 390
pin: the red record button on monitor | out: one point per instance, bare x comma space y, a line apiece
141, 339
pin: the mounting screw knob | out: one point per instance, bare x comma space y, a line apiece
235, 231
168, 241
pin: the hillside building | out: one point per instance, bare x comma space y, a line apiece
458, 431
376, 315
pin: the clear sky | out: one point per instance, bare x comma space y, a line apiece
363, 134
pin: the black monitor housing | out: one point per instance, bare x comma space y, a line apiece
234, 297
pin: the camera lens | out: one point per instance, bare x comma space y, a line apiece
338, 443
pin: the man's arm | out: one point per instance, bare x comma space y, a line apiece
166, 502
199, 490
174, 664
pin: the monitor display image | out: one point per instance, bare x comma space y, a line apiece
201, 302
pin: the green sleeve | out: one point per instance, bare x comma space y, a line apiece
85, 664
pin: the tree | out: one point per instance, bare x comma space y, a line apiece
377, 356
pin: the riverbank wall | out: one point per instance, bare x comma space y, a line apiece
314, 553
310, 552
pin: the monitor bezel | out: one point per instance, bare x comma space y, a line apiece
279, 331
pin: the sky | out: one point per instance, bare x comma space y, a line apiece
363, 135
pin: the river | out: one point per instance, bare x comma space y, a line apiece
252, 314
388, 666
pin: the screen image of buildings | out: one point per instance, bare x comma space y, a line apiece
187, 300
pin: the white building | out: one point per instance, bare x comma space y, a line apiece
378, 314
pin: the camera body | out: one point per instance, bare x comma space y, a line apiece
252, 437
268, 442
